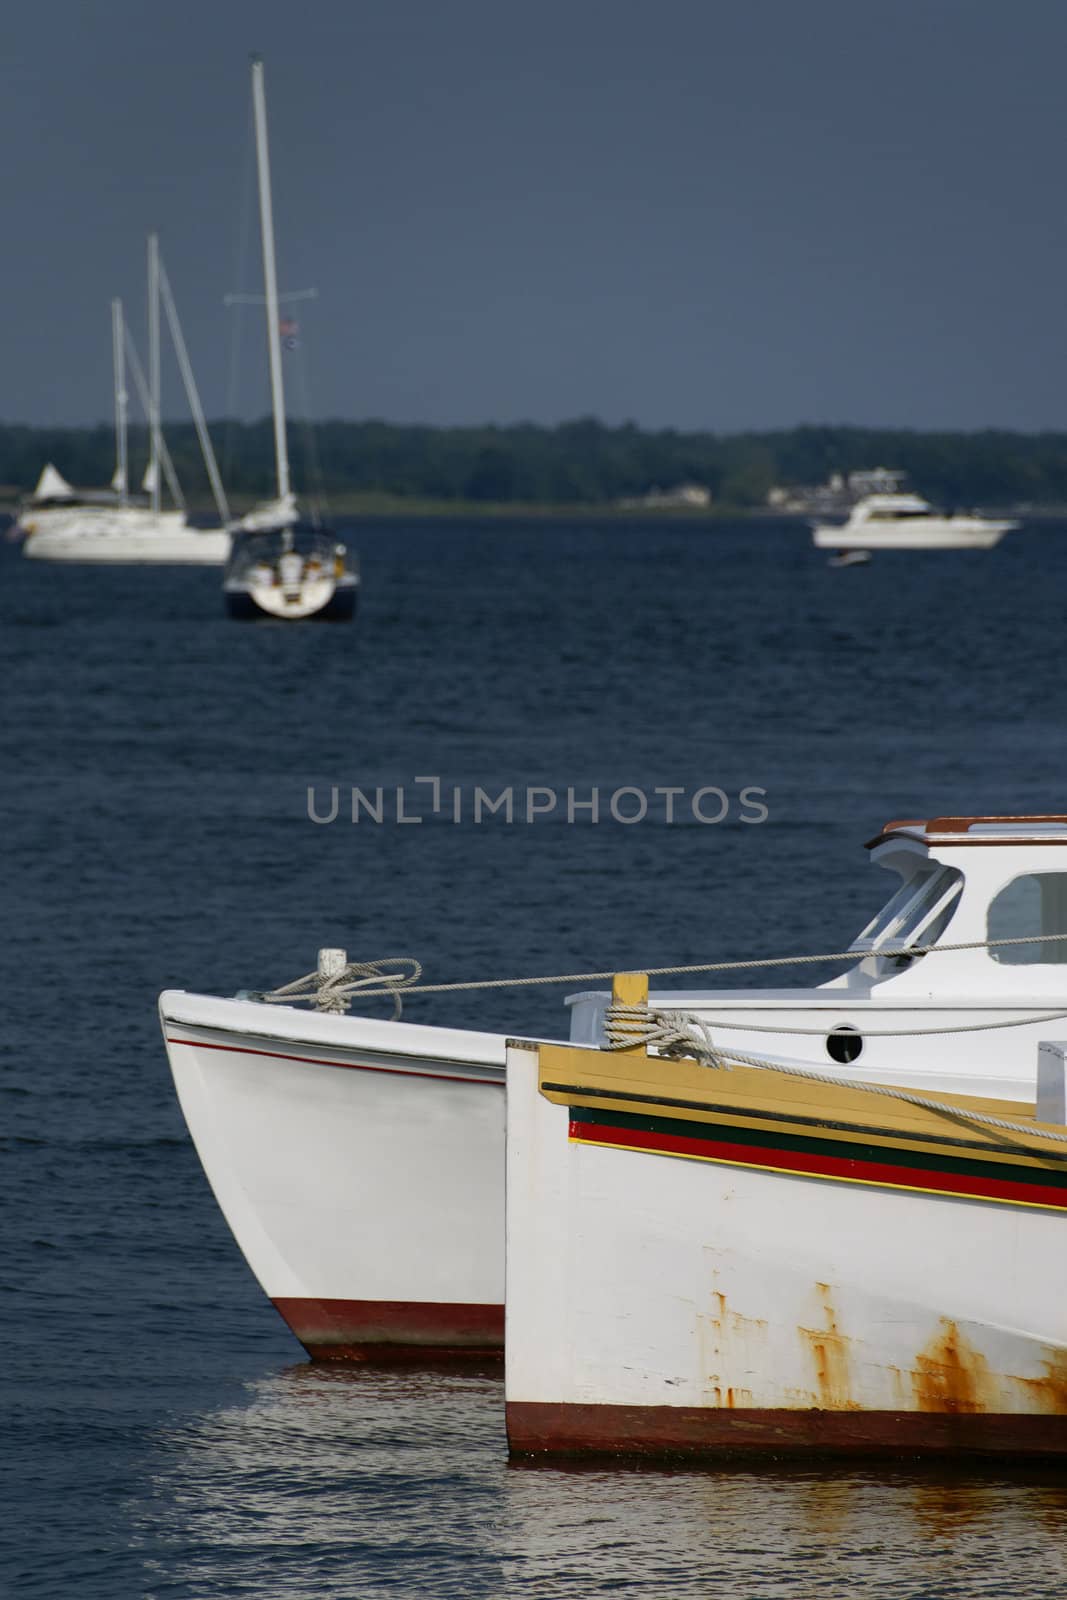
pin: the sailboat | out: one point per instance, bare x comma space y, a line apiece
282, 565
62, 524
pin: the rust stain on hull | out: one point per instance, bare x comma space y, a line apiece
731, 1351
731, 1398
1049, 1394
952, 1377
729, 1321
830, 1351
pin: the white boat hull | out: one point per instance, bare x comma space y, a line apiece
126, 535
934, 533
360, 1164
689, 1293
360, 1167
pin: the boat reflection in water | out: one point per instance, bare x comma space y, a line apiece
297, 571
361, 1482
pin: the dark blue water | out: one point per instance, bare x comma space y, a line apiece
161, 1433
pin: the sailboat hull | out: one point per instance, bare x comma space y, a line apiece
129, 536
340, 607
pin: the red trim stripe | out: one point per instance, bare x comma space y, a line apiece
394, 1330
320, 1061
808, 1164
699, 1433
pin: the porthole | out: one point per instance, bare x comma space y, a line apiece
844, 1044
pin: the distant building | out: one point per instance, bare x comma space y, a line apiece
690, 496
837, 495
880, 480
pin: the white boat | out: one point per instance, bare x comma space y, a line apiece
360, 1163
708, 1259
283, 566
54, 500
295, 572
127, 535
109, 526
908, 522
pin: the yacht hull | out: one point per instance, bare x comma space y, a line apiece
955, 533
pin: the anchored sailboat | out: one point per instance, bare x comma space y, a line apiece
62, 524
282, 565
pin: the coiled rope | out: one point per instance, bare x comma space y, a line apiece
390, 975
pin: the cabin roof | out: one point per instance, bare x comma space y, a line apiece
1045, 829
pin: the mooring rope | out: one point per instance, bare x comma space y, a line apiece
671, 1033
334, 991
676, 1033
372, 979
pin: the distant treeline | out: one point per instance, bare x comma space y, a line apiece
581, 462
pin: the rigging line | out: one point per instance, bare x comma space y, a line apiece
311, 982
144, 395
193, 396
236, 327
312, 465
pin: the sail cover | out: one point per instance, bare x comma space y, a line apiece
52, 485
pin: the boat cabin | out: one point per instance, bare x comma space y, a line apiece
969, 880
315, 548
892, 508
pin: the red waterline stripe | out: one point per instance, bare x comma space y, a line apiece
817, 1166
318, 1061
705, 1433
393, 1330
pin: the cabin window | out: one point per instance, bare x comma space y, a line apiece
918, 913
1034, 906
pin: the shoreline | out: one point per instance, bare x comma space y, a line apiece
350, 507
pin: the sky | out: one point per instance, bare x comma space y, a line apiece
682, 213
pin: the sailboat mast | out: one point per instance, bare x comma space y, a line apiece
153, 367
118, 351
270, 279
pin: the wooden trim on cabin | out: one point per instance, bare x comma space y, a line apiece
933, 829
